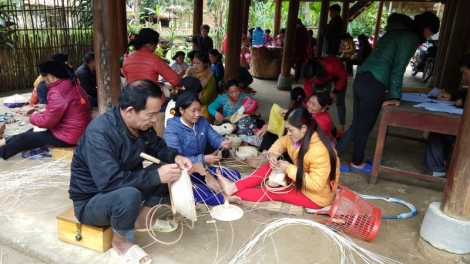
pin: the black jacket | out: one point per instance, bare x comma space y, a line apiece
333, 33
107, 158
87, 79
202, 44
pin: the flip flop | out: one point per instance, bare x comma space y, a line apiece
366, 169
323, 210
31, 155
343, 168
163, 226
371, 161
132, 256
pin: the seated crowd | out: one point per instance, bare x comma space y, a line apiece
110, 186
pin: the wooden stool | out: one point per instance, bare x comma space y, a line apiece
63, 153
73, 232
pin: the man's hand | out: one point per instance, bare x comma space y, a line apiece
183, 162
219, 117
211, 159
169, 173
444, 96
458, 102
391, 102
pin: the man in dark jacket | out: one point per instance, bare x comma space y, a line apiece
202, 42
108, 184
333, 32
439, 144
87, 76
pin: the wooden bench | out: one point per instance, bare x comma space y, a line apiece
63, 153
92, 237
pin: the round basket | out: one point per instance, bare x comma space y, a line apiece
235, 139
246, 151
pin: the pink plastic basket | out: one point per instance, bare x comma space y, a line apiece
353, 215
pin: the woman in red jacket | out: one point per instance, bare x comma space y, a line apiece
143, 63
65, 117
318, 73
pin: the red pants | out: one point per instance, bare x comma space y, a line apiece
248, 193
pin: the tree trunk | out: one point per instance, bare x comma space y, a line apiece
136, 13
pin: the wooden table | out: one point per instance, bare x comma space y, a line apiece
418, 118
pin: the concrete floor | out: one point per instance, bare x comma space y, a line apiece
35, 191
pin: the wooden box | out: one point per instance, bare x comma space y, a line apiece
63, 153
96, 238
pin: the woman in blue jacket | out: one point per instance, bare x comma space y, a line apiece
190, 133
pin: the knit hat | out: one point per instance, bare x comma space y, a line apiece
297, 94
250, 105
177, 54
190, 84
60, 56
56, 68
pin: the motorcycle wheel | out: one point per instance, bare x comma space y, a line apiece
428, 69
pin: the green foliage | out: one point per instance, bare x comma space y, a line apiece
365, 22
218, 10
5, 30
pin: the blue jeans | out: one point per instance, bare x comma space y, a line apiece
121, 207
340, 102
368, 94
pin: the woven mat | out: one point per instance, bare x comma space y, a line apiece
275, 207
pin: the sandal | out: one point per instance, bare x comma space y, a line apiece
366, 169
132, 256
163, 226
371, 161
343, 168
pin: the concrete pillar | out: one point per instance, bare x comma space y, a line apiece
325, 6
285, 82
345, 15
107, 53
234, 38
277, 18
377, 23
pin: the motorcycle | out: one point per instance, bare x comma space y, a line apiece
424, 60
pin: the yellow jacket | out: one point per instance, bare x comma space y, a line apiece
316, 168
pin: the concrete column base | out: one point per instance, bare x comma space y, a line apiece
434, 255
284, 83
444, 232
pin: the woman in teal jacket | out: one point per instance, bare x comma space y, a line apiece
383, 70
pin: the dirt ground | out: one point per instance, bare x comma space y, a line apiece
35, 191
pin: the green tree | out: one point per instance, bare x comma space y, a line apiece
7, 19
365, 22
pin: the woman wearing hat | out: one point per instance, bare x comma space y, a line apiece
190, 133
179, 65
65, 117
190, 84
